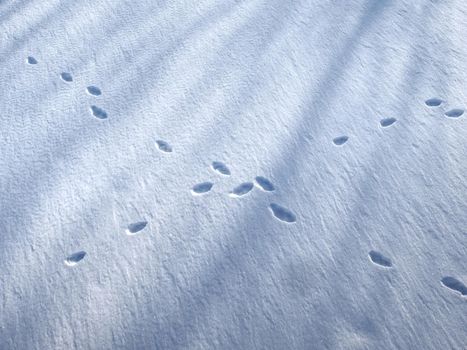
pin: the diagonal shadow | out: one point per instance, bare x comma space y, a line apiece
216, 275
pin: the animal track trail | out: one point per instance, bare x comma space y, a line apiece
241, 189
387, 122
135, 227
379, 259
93, 90
220, 168
202, 188
455, 285
75, 258
339, 141
98, 112
31, 60
283, 214
433, 102
264, 184
67, 77
454, 113
164, 146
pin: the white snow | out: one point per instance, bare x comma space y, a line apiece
125, 125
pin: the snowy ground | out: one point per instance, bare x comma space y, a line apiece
119, 232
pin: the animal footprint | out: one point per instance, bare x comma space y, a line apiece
163, 146
264, 184
31, 60
387, 122
98, 112
281, 213
379, 259
339, 141
135, 227
75, 258
433, 102
455, 285
202, 188
66, 77
454, 113
241, 189
93, 90
221, 168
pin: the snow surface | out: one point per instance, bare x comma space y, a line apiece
113, 111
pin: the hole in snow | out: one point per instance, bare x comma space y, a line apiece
242, 189
387, 122
282, 213
202, 188
454, 113
339, 141
379, 259
66, 77
136, 227
163, 146
433, 102
454, 284
73, 259
264, 184
99, 113
93, 90
31, 60
221, 168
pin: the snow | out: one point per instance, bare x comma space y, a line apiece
337, 126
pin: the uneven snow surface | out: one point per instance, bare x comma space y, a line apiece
228, 174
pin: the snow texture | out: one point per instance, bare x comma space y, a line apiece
338, 126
